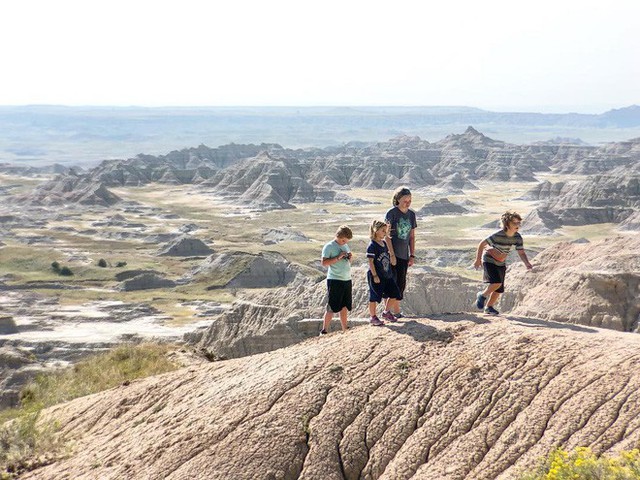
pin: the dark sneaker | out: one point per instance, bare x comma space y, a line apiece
491, 311
376, 322
480, 299
323, 332
389, 316
398, 315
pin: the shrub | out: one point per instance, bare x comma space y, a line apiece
55, 266
582, 463
66, 272
121, 264
102, 263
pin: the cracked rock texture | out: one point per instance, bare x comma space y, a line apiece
450, 397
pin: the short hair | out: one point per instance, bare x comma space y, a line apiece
344, 232
508, 217
398, 194
375, 226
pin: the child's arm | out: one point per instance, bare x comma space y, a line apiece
387, 239
330, 261
525, 260
372, 269
481, 246
412, 246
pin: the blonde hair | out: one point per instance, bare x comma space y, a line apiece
508, 217
375, 226
344, 232
398, 194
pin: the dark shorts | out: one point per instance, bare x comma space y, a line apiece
339, 295
494, 274
387, 288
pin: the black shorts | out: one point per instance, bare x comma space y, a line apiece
387, 288
339, 295
494, 274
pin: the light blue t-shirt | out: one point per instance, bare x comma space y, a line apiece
341, 270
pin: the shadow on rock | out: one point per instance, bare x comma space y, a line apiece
460, 317
535, 322
421, 332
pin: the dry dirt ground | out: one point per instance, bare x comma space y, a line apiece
450, 397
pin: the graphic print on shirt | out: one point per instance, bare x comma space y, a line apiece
383, 258
403, 228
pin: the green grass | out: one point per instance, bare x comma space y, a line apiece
24, 438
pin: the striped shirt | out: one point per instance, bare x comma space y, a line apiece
502, 242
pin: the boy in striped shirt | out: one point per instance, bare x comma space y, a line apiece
492, 254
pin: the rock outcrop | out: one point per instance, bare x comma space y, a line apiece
186, 247
540, 222
245, 270
596, 283
17, 367
146, 281
441, 206
278, 235
455, 397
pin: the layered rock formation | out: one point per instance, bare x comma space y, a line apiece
612, 197
597, 284
457, 397
269, 176
441, 206
245, 270
145, 281
69, 189
186, 247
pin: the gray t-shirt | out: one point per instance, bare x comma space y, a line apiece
503, 243
401, 226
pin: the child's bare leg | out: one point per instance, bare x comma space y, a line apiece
493, 299
393, 305
372, 308
343, 318
492, 287
328, 316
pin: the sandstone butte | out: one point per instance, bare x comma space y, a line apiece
449, 397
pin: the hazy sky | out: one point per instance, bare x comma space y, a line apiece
560, 55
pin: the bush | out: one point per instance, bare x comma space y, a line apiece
66, 272
55, 266
121, 264
102, 263
582, 463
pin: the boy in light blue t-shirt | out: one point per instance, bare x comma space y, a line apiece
336, 255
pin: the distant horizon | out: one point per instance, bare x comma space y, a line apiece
547, 110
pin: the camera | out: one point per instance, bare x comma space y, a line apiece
348, 255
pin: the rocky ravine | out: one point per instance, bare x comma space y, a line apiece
454, 397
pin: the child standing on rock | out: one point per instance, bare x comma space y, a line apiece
380, 277
401, 240
336, 255
492, 254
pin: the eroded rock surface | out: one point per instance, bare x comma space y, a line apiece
455, 397
596, 283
